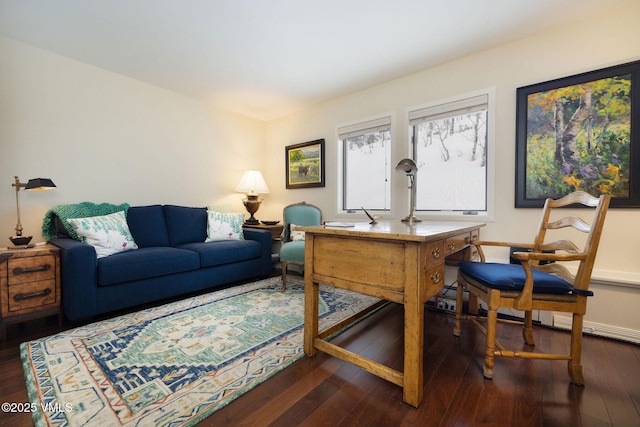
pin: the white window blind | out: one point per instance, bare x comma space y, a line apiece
449, 109
378, 125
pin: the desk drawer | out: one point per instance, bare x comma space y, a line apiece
457, 243
435, 276
435, 253
32, 269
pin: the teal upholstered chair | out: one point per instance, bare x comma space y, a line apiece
292, 249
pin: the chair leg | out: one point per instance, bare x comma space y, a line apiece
575, 367
284, 276
459, 301
527, 328
492, 320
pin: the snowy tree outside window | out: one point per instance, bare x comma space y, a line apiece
450, 150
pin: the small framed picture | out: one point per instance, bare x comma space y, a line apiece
305, 164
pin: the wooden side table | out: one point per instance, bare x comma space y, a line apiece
276, 236
29, 285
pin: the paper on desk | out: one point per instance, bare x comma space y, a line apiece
338, 224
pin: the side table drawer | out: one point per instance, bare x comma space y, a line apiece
24, 270
30, 295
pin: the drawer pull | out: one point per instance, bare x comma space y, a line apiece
20, 270
435, 278
451, 246
436, 253
22, 297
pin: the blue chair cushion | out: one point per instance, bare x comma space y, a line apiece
144, 263
511, 277
148, 226
292, 252
224, 251
185, 224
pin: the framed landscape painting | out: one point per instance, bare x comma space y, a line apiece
580, 133
305, 164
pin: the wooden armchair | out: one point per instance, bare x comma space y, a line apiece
531, 286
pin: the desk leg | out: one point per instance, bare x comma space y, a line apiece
413, 345
311, 290
413, 337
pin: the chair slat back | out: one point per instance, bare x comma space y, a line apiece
592, 228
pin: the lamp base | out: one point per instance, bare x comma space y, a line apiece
252, 204
411, 219
20, 240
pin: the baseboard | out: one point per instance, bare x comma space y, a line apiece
599, 329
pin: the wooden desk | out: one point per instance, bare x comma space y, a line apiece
393, 261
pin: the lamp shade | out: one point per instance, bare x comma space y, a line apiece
37, 184
407, 166
252, 183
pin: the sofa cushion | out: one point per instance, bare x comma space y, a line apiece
225, 251
145, 263
148, 226
108, 234
185, 224
224, 226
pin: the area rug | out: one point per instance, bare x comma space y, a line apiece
175, 364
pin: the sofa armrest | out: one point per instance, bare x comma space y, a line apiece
264, 238
78, 274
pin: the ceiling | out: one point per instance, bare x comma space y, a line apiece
269, 58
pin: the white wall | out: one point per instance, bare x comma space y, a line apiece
103, 137
585, 46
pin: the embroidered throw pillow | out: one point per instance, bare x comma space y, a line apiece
295, 235
108, 234
224, 226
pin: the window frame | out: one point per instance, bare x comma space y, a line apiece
440, 105
354, 127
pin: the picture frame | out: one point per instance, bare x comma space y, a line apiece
305, 164
580, 132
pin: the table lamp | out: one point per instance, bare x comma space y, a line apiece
409, 168
253, 184
31, 185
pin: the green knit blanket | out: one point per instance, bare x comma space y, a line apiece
78, 210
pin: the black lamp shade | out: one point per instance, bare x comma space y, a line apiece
40, 184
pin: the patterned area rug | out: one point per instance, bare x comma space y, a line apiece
174, 364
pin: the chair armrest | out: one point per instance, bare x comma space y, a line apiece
543, 256
78, 277
507, 244
479, 243
264, 237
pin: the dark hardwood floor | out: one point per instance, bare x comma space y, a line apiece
324, 391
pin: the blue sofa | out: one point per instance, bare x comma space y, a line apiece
172, 259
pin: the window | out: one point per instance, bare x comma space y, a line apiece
366, 157
450, 143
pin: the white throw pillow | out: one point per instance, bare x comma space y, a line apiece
224, 226
295, 234
108, 234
